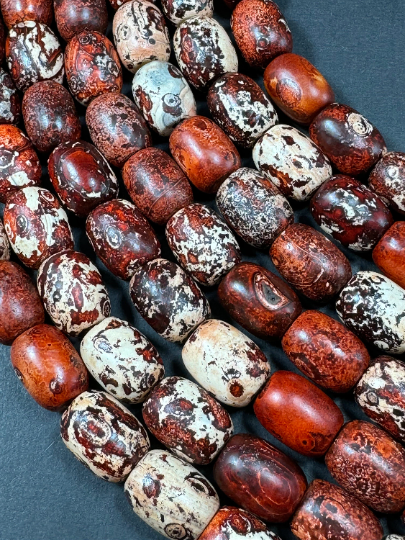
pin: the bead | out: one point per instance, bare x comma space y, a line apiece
20, 305
260, 478
387, 179
177, 11
4, 244
389, 253
156, 184
241, 108
370, 465
10, 103
171, 496
349, 140
115, 4
253, 207
73, 292
50, 116
168, 299
33, 54
291, 161
121, 237
231, 4
297, 87
350, 212
122, 360
74, 16
36, 225
92, 66
186, 419
2, 41
140, 34
310, 262
258, 300
17, 11
49, 367
20, 165
225, 362
373, 307
163, 96
104, 435
327, 512
202, 243
203, 51
394, 537
325, 351
81, 177
260, 31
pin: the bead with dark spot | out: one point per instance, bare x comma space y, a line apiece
178, 11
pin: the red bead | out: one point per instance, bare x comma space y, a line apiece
16, 11
74, 16
389, 253
387, 179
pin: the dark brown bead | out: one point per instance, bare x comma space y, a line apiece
260, 478
49, 366
156, 184
389, 253
10, 103
16, 11
20, 305
387, 179
74, 16
310, 262
258, 300
370, 465
325, 351
2, 41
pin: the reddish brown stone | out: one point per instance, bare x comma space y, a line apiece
2, 42
16, 11
74, 16
387, 179
10, 103
389, 253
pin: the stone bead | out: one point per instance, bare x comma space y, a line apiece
81, 177
104, 435
140, 34
394, 537
291, 161
74, 16
36, 225
387, 179
253, 207
168, 299
370, 465
17, 11
50, 116
4, 244
203, 51
177, 11
241, 108
92, 66
121, 237
20, 165
260, 478
373, 307
310, 262
260, 31
122, 360
163, 96
389, 253
327, 512
171, 496
297, 87
325, 351
2, 42
49, 367
10, 103
186, 419
33, 54
156, 184
351, 213
258, 300
202, 243
73, 292
115, 4
225, 362
349, 140
20, 305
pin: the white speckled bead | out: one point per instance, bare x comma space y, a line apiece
225, 362
171, 496
4, 244
292, 162
178, 11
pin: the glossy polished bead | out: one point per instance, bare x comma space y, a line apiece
297, 87
177, 11
4, 244
10, 103
49, 367
389, 253
325, 351
370, 465
387, 179
350, 212
349, 140
74, 16
260, 478
228, 364
16, 11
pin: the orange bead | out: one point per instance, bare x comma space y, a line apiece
389, 253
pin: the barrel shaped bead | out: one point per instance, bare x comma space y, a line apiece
389, 253
387, 179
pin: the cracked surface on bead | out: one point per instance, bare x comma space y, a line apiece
10, 103
387, 179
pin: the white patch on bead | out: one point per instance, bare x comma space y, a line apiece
360, 125
178, 11
4, 244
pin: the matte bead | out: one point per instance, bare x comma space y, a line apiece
16, 11
4, 244
10, 103
389, 253
74, 16
177, 11
387, 179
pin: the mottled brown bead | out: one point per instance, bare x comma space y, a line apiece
156, 184
2, 41
20, 305
389, 253
370, 465
260, 478
49, 366
325, 351
16, 11
327, 512
310, 262
10, 103
387, 179
74, 16
204, 153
